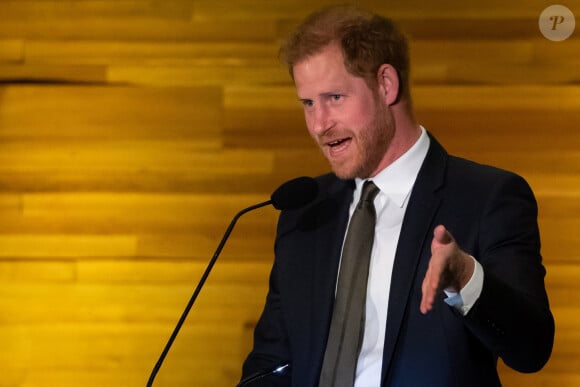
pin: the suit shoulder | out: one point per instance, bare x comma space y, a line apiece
483, 177
468, 169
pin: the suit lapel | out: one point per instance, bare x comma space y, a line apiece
415, 232
331, 216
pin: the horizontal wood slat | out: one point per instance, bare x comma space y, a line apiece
11, 51
136, 29
109, 112
132, 131
53, 73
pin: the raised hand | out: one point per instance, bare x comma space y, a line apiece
449, 268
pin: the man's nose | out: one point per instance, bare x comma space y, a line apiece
321, 120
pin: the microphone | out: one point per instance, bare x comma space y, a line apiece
291, 195
295, 193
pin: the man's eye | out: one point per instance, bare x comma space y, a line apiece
307, 102
336, 97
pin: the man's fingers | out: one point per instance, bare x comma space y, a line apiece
426, 300
430, 286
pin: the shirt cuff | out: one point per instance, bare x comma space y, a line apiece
466, 298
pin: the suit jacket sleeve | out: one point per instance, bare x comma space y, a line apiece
270, 339
512, 316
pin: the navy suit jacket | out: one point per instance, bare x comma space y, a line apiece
492, 215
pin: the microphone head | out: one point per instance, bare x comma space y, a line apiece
295, 193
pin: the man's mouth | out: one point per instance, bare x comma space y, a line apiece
338, 148
337, 143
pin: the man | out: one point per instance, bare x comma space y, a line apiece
455, 278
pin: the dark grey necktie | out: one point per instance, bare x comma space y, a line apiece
347, 325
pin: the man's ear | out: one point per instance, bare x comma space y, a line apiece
388, 84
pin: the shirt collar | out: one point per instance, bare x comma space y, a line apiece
397, 180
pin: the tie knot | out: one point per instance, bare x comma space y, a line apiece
369, 191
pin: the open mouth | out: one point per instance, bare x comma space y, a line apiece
338, 143
338, 148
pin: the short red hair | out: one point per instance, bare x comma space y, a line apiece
367, 41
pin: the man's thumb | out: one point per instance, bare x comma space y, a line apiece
441, 235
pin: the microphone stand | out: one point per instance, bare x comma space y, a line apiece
198, 288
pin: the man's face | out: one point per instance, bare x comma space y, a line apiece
347, 119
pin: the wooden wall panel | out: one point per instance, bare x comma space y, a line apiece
132, 131
11, 50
